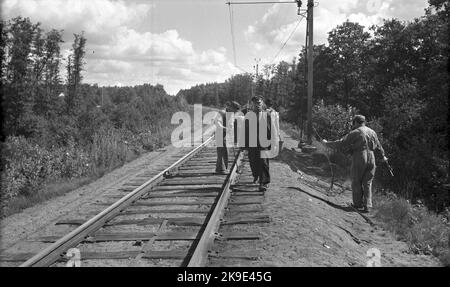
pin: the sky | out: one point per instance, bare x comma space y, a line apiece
181, 43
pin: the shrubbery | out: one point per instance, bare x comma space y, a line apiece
26, 165
332, 121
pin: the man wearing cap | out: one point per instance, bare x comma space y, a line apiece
361, 142
258, 164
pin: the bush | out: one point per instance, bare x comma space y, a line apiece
332, 121
26, 166
73, 161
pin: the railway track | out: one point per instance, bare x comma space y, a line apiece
183, 216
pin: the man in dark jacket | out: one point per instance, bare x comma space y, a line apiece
258, 164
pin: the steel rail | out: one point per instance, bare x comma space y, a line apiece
200, 254
53, 252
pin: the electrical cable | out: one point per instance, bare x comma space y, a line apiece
231, 14
230, 10
287, 40
329, 161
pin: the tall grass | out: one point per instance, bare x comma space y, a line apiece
425, 231
109, 149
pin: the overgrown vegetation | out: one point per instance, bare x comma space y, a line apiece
58, 130
424, 231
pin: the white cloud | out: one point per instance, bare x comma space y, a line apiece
121, 47
164, 58
274, 27
117, 52
98, 18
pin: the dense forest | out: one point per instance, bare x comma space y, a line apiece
394, 73
57, 128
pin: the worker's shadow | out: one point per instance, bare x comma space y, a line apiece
307, 163
343, 208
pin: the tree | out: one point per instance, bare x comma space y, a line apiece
75, 66
48, 74
346, 47
17, 100
239, 88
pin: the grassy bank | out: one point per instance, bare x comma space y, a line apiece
46, 192
425, 231
40, 174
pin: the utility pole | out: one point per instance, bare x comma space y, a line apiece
310, 59
309, 50
256, 66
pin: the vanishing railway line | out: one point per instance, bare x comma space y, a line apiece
182, 216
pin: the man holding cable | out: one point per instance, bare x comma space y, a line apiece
361, 142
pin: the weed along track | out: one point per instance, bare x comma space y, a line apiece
183, 216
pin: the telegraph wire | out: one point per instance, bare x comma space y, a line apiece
230, 10
287, 40
231, 13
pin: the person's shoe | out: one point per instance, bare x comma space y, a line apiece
356, 207
263, 187
365, 210
255, 179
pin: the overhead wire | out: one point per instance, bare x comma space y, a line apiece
287, 40
231, 16
230, 10
231, 13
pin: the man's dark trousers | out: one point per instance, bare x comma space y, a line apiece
222, 151
258, 165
